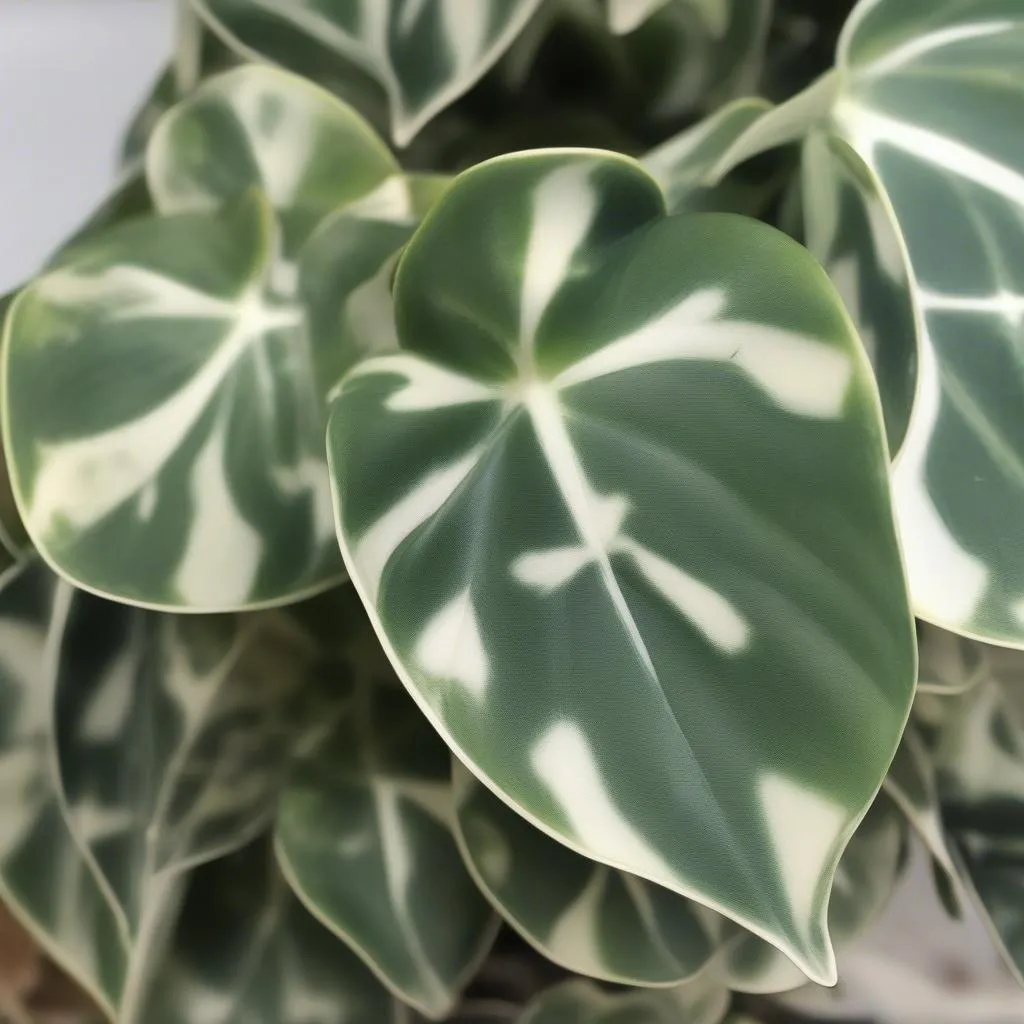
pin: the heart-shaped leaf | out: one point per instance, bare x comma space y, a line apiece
702, 1001
44, 877
258, 127
174, 735
246, 950
637, 501
364, 832
190, 473
423, 55
587, 917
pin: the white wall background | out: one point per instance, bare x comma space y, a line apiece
71, 74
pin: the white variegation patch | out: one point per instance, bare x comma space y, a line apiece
382, 540
450, 647
564, 761
806, 829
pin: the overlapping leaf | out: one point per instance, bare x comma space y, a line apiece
364, 832
980, 759
423, 55
585, 916
637, 505
912, 786
923, 109
702, 1001
189, 471
44, 877
246, 950
716, 48
173, 738
865, 881
933, 94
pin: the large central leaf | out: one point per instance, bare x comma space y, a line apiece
633, 550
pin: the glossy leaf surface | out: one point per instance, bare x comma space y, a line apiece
585, 916
423, 55
247, 950
638, 503
364, 836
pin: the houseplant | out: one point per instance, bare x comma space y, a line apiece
480, 470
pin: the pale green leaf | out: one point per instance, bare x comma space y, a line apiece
44, 877
423, 55
585, 916
628, 15
173, 736
702, 1001
866, 879
247, 951
364, 831
259, 127
636, 503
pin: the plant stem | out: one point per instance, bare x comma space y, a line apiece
188, 49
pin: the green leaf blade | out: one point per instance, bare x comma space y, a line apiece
636, 488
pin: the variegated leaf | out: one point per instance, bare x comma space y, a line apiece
247, 951
850, 229
174, 735
636, 501
191, 473
259, 127
423, 55
865, 881
44, 876
928, 96
682, 164
587, 917
364, 832
980, 759
931, 100
702, 1001
691, 55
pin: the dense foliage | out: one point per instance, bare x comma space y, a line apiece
516, 498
